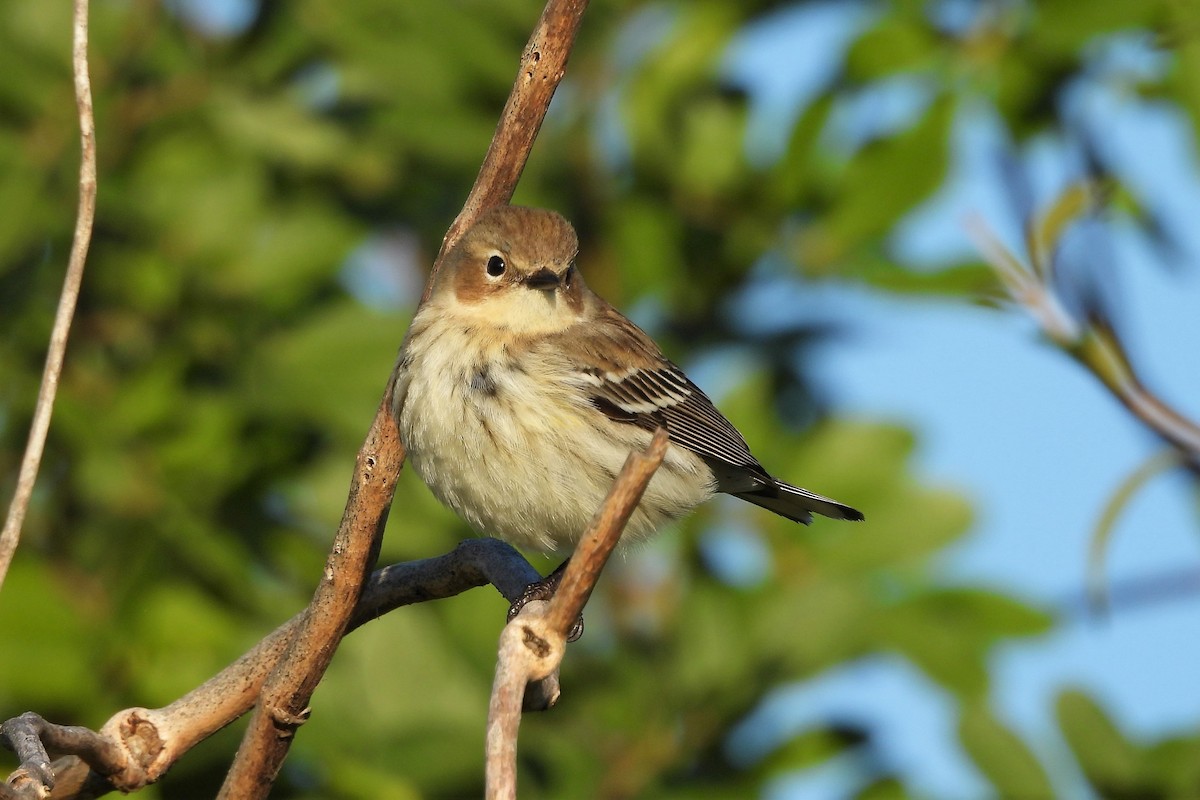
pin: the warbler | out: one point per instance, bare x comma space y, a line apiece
520, 392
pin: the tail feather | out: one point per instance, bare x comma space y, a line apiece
799, 504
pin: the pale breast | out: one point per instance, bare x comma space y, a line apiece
513, 445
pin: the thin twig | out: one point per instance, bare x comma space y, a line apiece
1091, 342
605, 529
84, 217
1097, 588
532, 645
1091, 339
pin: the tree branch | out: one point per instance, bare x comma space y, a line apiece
1092, 341
1090, 338
283, 705
84, 218
533, 643
283, 670
137, 746
543, 64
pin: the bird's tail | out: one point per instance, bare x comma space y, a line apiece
799, 504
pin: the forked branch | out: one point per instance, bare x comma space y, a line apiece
137, 746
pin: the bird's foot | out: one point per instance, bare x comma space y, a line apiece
544, 590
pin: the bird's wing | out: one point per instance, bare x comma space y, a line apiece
628, 379
664, 396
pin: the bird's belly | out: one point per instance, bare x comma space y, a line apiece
519, 457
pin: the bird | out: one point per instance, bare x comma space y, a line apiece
519, 392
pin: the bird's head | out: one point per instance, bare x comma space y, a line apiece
515, 268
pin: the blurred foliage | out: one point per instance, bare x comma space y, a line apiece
270, 195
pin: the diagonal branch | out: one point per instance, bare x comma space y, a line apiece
543, 64
532, 645
67, 300
283, 704
1092, 341
1089, 337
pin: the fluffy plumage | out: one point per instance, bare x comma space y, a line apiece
520, 393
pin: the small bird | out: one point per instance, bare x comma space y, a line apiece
520, 393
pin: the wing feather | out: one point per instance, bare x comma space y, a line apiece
629, 380
625, 377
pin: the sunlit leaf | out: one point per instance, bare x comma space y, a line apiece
1006, 761
897, 43
883, 181
1110, 760
1046, 230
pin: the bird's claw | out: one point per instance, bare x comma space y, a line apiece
544, 590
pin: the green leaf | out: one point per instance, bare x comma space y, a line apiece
886, 789
649, 239
1045, 232
180, 639
717, 641
682, 64
896, 43
711, 158
278, 129
794, 174
332, 369
811, 622
972, 280
1001, 756
805, 750
1065, 26
864, 465
294, 251
1109, 760
949, 633
1175, 765
884, 181
46, 620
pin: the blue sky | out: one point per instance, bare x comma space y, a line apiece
1031, 438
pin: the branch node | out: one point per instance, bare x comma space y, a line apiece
286, 722
536, 644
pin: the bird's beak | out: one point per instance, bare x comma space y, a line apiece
542, 279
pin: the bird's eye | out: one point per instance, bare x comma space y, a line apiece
496, 266
569, 275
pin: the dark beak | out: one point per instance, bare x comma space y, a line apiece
542, 279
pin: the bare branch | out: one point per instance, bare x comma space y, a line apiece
283, 705
522, 654
84, 217
284, 669
603, 533
533, 643
137, 746
543, 64
32, 738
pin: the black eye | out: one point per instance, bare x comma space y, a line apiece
496, 266
570, 274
